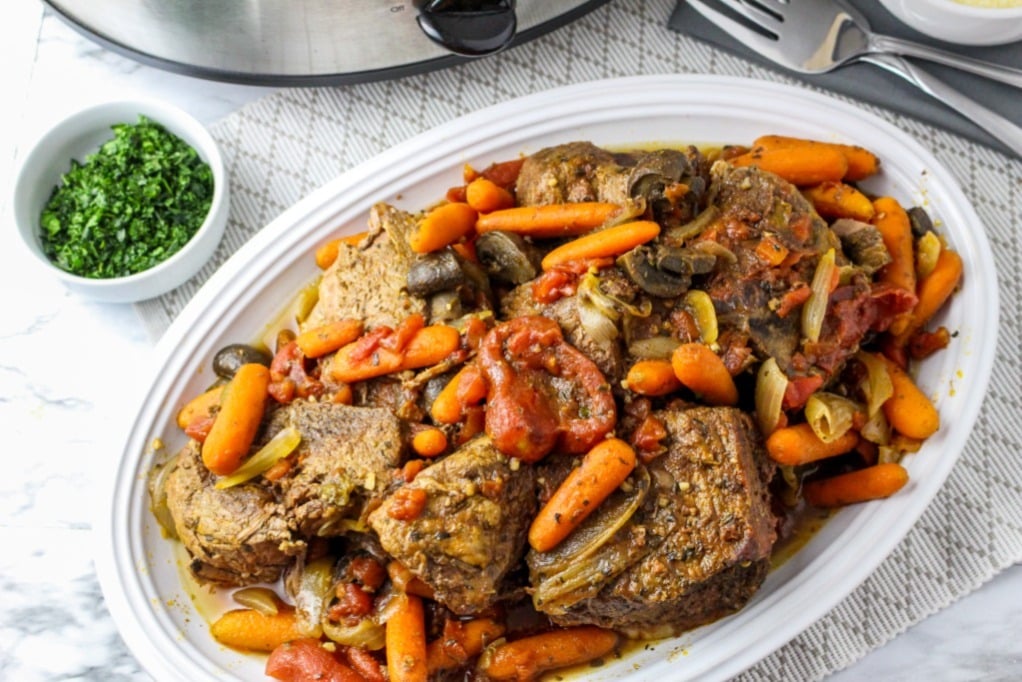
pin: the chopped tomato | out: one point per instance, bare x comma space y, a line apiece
504, 173
306, 659
798, 391
352, 604
553, 285
289, 378
543, 393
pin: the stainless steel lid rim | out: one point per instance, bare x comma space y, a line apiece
379, 46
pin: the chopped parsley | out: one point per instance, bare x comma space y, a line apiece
131, 205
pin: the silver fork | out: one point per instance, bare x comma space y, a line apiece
816, 36
806, 26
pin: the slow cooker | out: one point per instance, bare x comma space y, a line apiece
312, 42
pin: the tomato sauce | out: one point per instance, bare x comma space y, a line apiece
543, 393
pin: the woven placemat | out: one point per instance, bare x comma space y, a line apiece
280, 148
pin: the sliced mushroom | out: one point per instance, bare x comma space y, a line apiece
439, 271
445, 306
672, 182
665, 271
684, 261
641, 265
507, 257
862, 243
657, 170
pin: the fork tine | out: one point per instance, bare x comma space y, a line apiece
754, 14
753, 40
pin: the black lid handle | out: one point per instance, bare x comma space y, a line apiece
471, 28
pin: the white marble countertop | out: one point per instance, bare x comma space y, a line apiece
69, 368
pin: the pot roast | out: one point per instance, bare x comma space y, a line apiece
471, 529
235, 536
686, 539
697, 549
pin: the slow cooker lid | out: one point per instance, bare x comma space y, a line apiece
287, 42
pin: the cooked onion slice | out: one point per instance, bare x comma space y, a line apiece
631, 209
315, 584
367, 633
877, 386
771, 383
261, 599
158, 497
928, 249
682, 233
830, 415
789, 493
815, 308
654, 348
599, 312
716, 249
588, 558
597, 325
279, 447
700, 306
877, 429
292, 318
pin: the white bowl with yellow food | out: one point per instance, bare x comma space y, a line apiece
966, 22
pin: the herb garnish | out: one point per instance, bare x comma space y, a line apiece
131, 205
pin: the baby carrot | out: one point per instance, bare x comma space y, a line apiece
799, 444
466, 388
429, 346
935, 289
896, 231
798, 165
771, 250
405, 634
652, 377
406, 581
602, 470
551, 220
343, 367
325, 339
612, 241
199, 406
460, 643
704, 373
838, 200
444, 225
429, 442
486, 196
871, 483
235, 426
862, 163
327, 254
253, 631
525, 659
908, 410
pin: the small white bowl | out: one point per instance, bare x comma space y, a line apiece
81, 134
955, 22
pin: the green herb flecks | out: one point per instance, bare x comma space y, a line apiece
131, 205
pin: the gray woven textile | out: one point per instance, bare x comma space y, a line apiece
280, 148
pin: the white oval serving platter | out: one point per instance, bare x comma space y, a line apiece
139, 569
